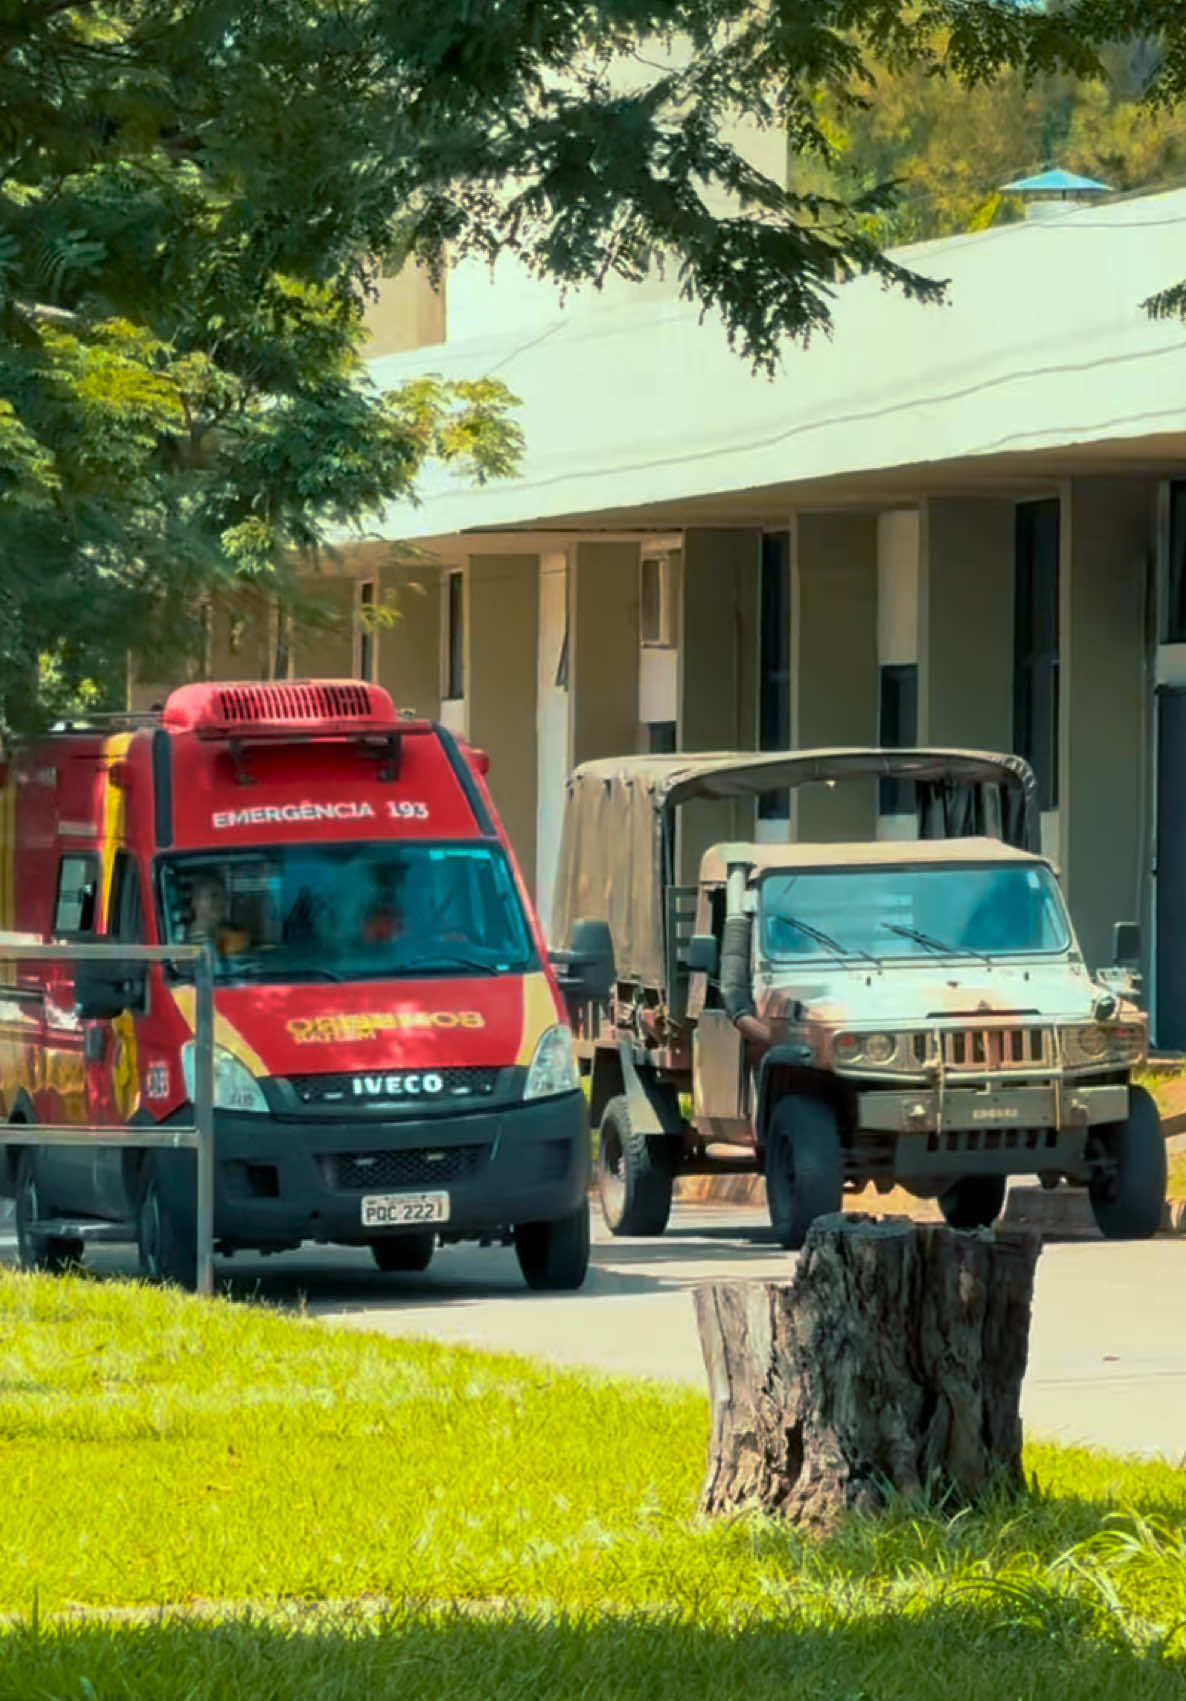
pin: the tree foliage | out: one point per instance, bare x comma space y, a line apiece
951, 148
197, 197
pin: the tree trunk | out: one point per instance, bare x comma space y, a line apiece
891, 1362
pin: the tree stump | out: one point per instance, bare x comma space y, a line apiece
892, 1361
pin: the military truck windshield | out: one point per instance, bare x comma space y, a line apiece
1000, 909
349, 912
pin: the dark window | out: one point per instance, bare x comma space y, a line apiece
366, 630
774, 661
897, 729
1035, 654
653, 598
661, 738
78, 887
125, 912
1174, 625
455, 657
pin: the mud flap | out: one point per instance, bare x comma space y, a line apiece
653, 1110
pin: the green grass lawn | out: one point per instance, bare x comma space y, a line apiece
331, 1515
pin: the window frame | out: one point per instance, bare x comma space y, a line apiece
91, 858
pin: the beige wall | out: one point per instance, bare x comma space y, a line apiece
408, 314
965, 685
718, 667
1107, 532
834, 663
326, 652
501, 660
603, 650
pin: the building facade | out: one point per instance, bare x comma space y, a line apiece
962, 525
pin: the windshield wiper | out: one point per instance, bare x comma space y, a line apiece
933, 944
294, 972
452, 959
826, 940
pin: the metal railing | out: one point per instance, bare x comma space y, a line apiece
198, 1137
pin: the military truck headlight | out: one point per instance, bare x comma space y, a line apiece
879, 1048
1095, 1043
235, 1087
554, 1067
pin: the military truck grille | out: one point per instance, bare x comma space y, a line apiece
415, 1166
340, 1089
998, 1048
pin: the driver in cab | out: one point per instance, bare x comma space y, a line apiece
208, 923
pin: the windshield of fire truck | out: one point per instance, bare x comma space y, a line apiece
998, 909
349, 912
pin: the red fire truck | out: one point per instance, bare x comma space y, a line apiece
392, 1064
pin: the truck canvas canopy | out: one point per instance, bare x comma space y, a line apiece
617, 848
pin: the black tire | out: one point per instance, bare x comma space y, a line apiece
973, 1202
634, 1174
167, 1248
404, 1251
51, 1254
804, 1167
1129, 1202
555, 1256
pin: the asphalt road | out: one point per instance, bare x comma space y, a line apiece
1107, 1348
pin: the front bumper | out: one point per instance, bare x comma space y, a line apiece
957, 1109
281, 1181
965, 1131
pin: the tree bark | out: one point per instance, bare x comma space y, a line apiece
890, 1363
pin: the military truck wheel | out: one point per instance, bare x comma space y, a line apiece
168, 1250
404, 1251
1128, 1203
804, 1167
48, 1253
634, 1174
973, 1202
554, 1256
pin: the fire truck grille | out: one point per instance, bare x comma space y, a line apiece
415, 1166
296, 702
998, 1048
433, 1087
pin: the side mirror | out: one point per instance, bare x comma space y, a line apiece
103, 991
585, 972
702, 955
1126, 945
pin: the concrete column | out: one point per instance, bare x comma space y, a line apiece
501, 662
551, 719
898, 533
409, 651
718, 673
834, 664
602, 651
965, 686
1105, 790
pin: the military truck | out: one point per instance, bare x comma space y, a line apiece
912, 1013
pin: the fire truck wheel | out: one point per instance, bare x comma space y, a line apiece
973, 1202
555, 1256
804, 1167
1128, 1202
168, 1250
404, 1251
50, 1253
634, 1174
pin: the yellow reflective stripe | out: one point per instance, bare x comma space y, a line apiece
539, 1014
224, 1034
114, 816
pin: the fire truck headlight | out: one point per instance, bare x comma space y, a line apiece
235, 1088
554, 1067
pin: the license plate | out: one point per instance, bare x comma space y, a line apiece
390, 1210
